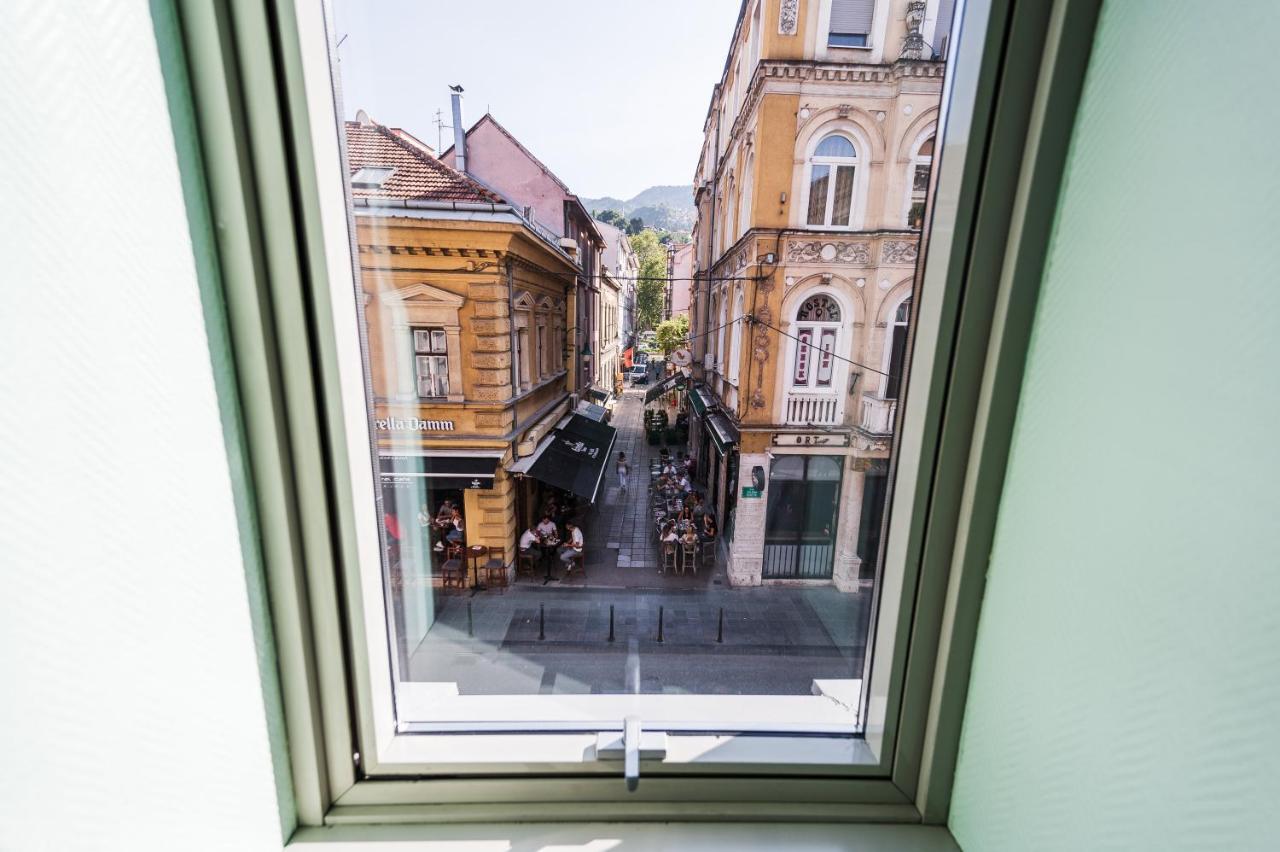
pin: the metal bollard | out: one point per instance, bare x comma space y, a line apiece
610, 622
542, 621
471, 626
660, 623
720, 628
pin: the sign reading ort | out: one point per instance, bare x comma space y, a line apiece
412, 424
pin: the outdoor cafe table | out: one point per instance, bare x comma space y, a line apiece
475, 553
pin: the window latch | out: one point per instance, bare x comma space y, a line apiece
631, 745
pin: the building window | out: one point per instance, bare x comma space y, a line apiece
918, 179
817, 334
831, 182
543, 365
431, 362
735, 338
897, 340
850, 23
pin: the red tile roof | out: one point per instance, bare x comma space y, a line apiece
417, 174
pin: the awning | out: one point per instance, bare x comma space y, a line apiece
441, 471
521, 466
576, 457
597, 396
723, 433
593, 411
697, 401
662, 387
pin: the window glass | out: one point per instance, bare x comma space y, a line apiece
550, 537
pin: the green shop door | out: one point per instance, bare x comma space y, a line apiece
800, 519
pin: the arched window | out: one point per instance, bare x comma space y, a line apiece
831, 182
897, 341
744, 199
918, 184
735, 338
817, 336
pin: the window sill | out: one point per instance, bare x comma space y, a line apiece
631, 837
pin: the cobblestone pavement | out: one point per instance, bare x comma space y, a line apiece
554, 638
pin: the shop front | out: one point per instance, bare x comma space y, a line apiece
801, 517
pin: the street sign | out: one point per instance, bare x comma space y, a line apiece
748, 491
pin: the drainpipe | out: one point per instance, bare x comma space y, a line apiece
459, 132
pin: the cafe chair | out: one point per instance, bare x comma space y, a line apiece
495, 569
453, 575
526, 559
668, 558
579, 563
689, 554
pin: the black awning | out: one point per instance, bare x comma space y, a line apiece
598, 396
576, 458
441, 471
723, 433
662, 387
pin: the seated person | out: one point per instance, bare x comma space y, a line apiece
573, 549
685, 485
708, 530
455, 534
690, 537
668, 539
529, 542
547, 527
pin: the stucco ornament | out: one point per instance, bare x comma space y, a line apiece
913, 44
787, 16
817, 251
898, 251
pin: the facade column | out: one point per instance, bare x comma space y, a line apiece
453, 345
848, 563
746, 553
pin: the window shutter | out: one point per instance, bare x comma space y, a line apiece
851, 16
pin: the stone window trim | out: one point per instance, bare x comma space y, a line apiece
861, 161
422, 305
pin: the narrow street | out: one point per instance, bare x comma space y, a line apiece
774, 640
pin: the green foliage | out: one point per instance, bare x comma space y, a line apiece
635, 225
652, 283
611, 217
673, 333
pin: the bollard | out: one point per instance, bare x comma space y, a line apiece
610, 622
660, 624
471, 626
542, 621
720, 628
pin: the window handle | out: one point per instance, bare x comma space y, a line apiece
631, 746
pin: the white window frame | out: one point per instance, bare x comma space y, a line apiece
916, 160
342, 727
859, 162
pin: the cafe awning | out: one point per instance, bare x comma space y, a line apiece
520, 467
662, 387
442, 470
698, 401
576, 457
723, 433
598, 396
592, 411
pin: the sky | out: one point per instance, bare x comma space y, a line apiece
610, 94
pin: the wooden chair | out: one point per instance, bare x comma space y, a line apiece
526, 559
708, 552
579, 563
495, 569
453, 575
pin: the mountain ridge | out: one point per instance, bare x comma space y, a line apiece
668, 207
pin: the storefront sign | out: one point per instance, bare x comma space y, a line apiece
412, 424
748, 491
793, 439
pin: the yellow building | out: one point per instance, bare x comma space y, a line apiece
464, 310
810, 192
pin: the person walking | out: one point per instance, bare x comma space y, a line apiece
624, 469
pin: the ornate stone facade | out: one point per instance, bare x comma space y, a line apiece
818, 251
788, 16
899, 251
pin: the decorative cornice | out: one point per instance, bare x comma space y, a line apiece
853, 253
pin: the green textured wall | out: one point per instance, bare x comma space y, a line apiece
1126, 684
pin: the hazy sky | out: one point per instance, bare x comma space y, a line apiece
610, 94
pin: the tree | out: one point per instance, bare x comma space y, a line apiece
673, 333
652, 279
611, 217
635, 225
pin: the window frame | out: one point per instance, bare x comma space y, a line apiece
431, 331
258, 150
833, 165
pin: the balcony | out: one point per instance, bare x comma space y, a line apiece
812, 409
878, 415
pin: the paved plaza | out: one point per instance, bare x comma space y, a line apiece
690, 633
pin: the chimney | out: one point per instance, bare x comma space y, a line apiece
459, 132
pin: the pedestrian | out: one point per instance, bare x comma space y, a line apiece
573, 549
624, 469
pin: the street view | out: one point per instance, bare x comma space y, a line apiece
636, 335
